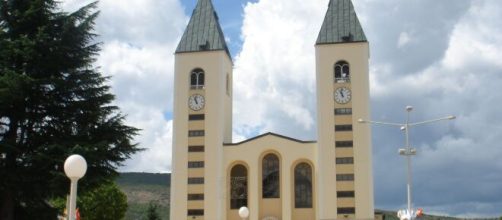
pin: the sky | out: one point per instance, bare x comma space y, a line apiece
441, 57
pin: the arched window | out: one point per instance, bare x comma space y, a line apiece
270, 176
197, 79
342, 72
303, 186
238, 187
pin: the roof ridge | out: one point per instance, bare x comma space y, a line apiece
203, 32
272, 134
341, 24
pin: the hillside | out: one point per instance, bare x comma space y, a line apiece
143, 188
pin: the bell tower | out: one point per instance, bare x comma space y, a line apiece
202, 117
344, 146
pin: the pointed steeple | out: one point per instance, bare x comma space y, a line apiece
203, 32
341, 24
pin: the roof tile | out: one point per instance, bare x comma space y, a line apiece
341, 24
203, 32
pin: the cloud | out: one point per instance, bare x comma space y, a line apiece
428, 22
404, 38
142, 79
139, 37
456, 169
276, 59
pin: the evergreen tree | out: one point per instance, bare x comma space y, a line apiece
151, 212
53, 103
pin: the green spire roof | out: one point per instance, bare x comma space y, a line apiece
340, 24
203, 32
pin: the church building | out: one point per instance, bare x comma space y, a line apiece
275, 176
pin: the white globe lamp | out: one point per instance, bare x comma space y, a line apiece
75, 167
244, 212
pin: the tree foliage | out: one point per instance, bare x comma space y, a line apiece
53, 103
106, 202
151, 212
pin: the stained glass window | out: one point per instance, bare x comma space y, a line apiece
270, 176
303, 186
238, 187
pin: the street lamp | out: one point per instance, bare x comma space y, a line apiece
74, 168
244, 212
408, 151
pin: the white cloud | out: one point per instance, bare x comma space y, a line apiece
141, 79
404, 38
277, 59
139, 37
476, 39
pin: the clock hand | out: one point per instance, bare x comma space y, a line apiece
341, 93
195, 99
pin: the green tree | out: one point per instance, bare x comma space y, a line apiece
151, 212
104, 203
53, 103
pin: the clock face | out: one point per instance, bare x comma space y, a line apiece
196, 102
342, 95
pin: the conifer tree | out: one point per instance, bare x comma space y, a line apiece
53, 103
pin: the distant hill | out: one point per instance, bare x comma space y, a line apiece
143, 188
163, 179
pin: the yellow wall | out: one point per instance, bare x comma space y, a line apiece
217, 126
251, 153
357, 55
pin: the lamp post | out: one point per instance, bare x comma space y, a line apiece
244, 212
408, 151
75, 167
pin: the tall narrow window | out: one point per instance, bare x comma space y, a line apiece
270, 176
303, 186
228, 84
238, 187
342, 72
197, 79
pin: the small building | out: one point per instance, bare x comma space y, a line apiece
275, 176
